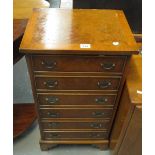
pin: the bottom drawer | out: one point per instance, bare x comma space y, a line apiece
55, 135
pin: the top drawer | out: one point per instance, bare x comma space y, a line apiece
79, 63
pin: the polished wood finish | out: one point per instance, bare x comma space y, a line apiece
23, 117
134, 83
58, 67
46, 145
19, 26
68, 135
132, 142
131, 8
77, 83
121, 115
79, 63
24, 9
22, 120
73, 99
126, 135
61, 124
21, 13
73, 27
76, 113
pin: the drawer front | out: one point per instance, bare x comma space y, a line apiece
76, 113
71, 99
54, 125
79, 63
48, 135
77, 83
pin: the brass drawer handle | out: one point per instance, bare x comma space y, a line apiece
101, 100
96, 125
52, 99
104, 84
53, 115
98, 114
49, 64
108, 66
54, 135
51, 84
52, 124
95, 135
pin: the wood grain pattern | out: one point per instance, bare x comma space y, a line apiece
22, 119
63, 135
46, 145
132, 142
70, 99
85, 113
134, 79
131, 8
74, 27
19, 26
72, 63
77, 71
77, 83
126, 135
97, 124
24, 9
121, 115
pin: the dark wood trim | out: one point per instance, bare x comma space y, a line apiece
138, 38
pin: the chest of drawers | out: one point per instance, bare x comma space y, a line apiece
77, 61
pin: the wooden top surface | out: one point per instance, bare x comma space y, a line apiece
134, 79
55, 30
23, 9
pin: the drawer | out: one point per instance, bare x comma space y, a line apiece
77, 83
49, 135
78, 125
76, 113
56, 99
79, 63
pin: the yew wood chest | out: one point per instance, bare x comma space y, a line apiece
78, 62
